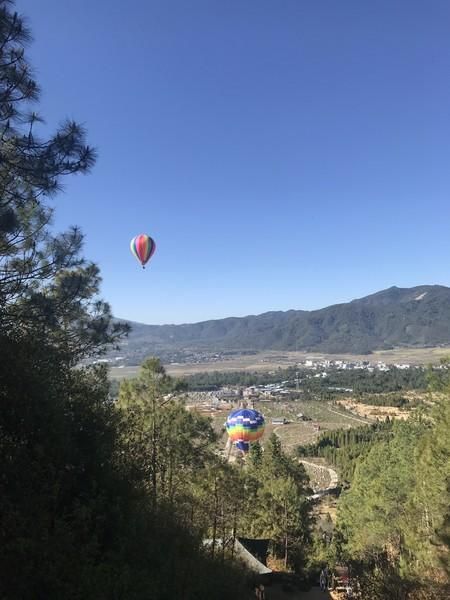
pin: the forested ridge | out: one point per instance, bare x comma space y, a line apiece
342, 448
393, 520
418, 316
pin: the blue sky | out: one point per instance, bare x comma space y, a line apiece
283, 154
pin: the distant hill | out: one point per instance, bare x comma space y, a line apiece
418, 316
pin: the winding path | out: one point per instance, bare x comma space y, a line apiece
331, 472
334, 479
341, 414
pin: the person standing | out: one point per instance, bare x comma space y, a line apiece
323, 580
331, 580
327, 577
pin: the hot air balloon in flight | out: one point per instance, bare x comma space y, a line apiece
244, 425
143, 247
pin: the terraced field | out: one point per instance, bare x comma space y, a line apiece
324, 417
318, 411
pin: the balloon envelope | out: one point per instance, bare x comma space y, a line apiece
143, 247
243, 446
245, 425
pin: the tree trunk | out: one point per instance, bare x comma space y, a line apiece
234, 531
214, 518
286, 536
154, 457
222, 515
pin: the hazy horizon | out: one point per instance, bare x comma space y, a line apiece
240, 316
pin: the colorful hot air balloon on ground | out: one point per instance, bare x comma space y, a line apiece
244, 425
143, 247
243, 446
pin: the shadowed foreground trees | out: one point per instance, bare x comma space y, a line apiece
77, 516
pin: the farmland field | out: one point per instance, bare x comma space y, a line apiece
323, 418
269, 360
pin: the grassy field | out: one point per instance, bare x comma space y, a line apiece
267, 361
318, 411
324, 418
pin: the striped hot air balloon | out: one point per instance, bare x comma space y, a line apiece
143, 247
243, 426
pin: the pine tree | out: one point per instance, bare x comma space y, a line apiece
158, 428
46, 287
278, 489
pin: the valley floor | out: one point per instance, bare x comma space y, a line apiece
269, 360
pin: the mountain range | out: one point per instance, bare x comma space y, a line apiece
418, 316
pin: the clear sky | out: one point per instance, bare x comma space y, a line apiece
282, 153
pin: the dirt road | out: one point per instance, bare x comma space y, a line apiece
332, 475
276, 593
365, 421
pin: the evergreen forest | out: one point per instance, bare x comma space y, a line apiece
393, 514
